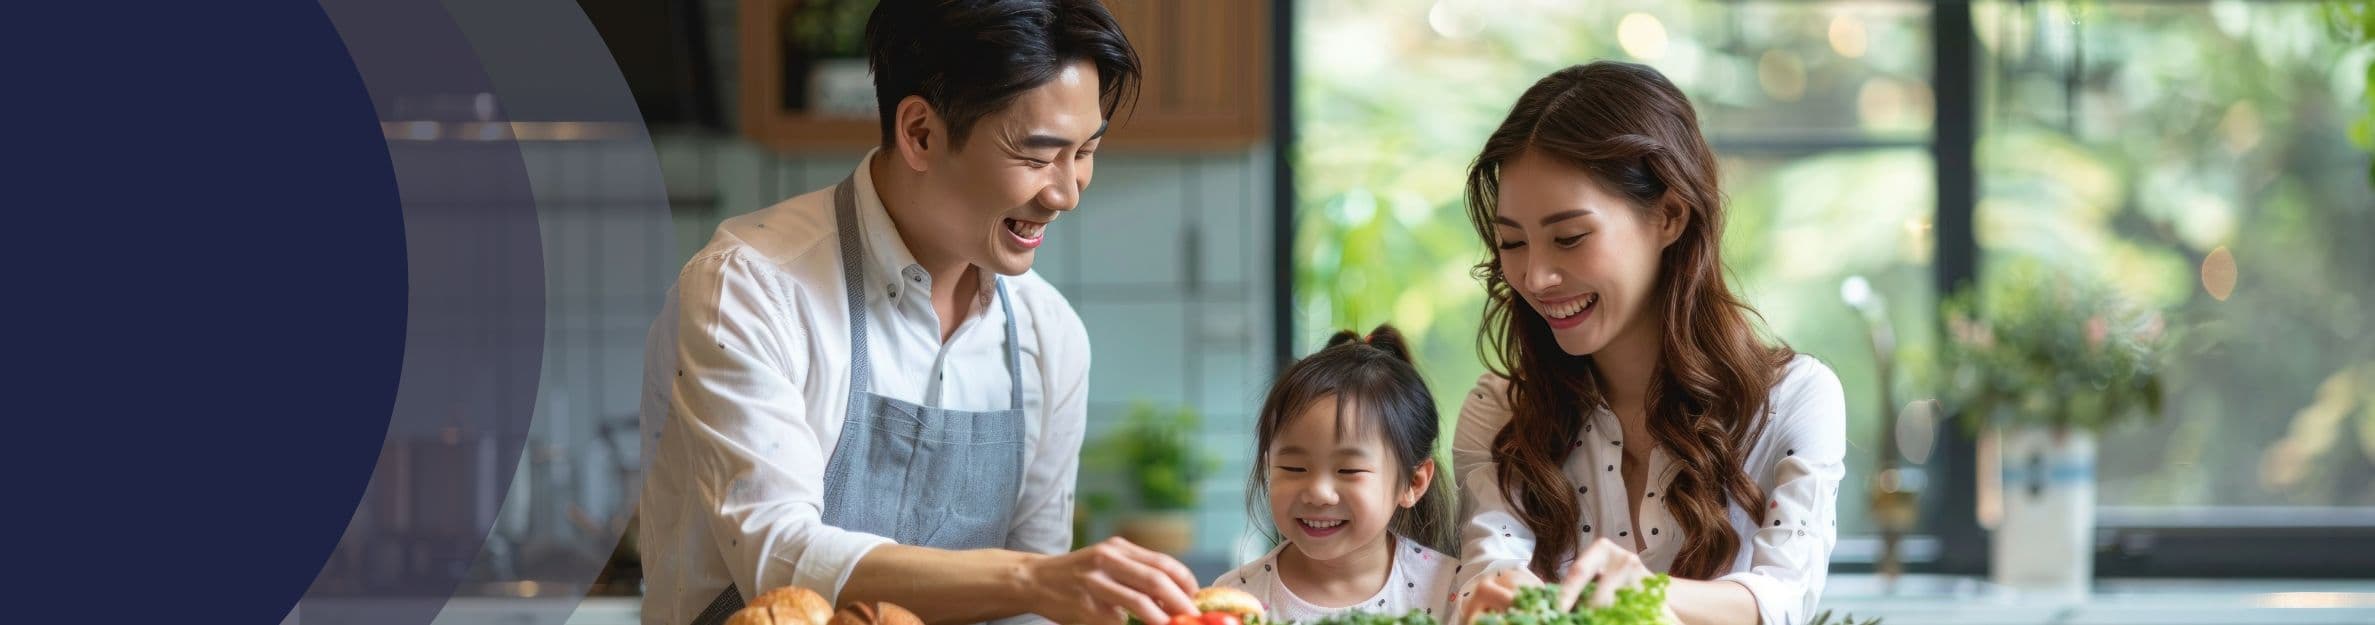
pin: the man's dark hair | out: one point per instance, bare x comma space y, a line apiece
970, 58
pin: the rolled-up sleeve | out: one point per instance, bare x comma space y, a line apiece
1492, 539
1043, 519
1043, 523
1805, 451
739, 404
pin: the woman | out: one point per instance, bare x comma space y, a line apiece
1635, 422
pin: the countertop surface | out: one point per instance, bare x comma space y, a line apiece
1913, 600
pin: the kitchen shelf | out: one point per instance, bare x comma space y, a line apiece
1206, 80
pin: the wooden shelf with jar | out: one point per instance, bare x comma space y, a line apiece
1206, 65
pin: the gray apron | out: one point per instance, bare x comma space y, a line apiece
921, 475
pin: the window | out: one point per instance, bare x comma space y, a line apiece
1820, 113
2214, 156
2202, 154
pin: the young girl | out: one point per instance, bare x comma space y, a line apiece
1345, 462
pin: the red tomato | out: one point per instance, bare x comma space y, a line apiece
1215, 618
1186, 619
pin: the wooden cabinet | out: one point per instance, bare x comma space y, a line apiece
1207, 72
1206, 79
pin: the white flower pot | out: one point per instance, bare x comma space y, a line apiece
2044, 542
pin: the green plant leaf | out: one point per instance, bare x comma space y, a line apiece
2053, 346
1154, 451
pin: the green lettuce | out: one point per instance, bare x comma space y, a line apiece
1537, 605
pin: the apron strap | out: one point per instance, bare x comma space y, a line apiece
728, 602
1014, 347
845, 208
861, 363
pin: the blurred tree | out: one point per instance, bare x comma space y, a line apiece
2198, 152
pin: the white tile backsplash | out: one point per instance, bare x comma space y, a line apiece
1137, 351
1131, 218
1222, 206
1233, 385
1059, 262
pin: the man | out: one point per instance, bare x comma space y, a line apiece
863, 391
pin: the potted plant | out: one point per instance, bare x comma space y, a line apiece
2040, 361
824, 66
1154, 457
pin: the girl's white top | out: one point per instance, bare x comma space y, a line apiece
1420, 580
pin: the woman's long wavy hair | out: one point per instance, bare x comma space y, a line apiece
1636, 135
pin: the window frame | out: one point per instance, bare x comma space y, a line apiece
1952, 542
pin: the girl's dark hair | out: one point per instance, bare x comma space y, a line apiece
1633, 133
1374, 377
970, 58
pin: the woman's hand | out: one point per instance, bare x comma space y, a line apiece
1494, 592
1105, 583
1611, 567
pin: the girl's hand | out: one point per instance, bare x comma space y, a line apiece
1496, 591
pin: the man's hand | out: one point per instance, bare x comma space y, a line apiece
1105, 583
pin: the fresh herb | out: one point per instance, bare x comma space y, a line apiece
1538, 605
1357, 617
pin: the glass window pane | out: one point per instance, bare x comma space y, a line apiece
2201, 154
1820, 110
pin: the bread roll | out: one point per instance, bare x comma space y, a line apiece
1230, 600
875, 613
788, 605
767, 615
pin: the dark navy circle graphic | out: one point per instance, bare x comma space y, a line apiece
328, 308
210, 263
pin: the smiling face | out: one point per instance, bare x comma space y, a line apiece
1584, 259
1334, 493
989, 202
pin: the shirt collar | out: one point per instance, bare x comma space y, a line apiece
1602, 418
888, 259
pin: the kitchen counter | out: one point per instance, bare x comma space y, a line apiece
1916, 600
1940, 600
